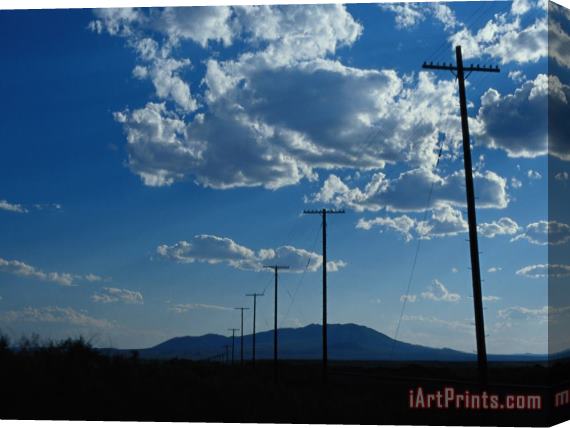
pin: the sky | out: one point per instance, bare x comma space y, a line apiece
154, 160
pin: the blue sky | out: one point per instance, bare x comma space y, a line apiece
155, 159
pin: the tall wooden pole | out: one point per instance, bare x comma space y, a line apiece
460, 71
323, 213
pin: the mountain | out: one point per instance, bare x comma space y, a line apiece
346, 342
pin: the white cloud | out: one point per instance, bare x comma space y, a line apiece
113, 295
505, 39
534, 175
401, 193
517, 123
546, 232
517, 76
439, 293
408, 298
491, 298
545, 271
55, 314
409, 15
516, 183
558, 39
561, 176
216, 250
20, 268
494, 269
270, 130
503, 226
16, 208
454, 270
186, 307
518, 313
445, 221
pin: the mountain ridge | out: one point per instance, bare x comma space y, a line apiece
347, 342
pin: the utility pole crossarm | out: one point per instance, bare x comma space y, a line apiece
329, 211
470, 69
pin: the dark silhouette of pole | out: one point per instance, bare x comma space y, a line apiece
254, 295
233, 330
323, 213
227, 347
276, 269
459, 71
241, 338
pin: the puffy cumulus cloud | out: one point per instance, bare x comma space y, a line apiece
20, 268
202, 25
162, 152
518, 124
215, 250
400, 194
505, 38
16, 208
545, 271
115, 21
295, 33
558, 38
494, 269
206, 248
256, 133
182, 308
403, 225
113, 295
199, 24
55, 314
409, 15
439, 293
546, 232
445, 221
251, 132
503, 226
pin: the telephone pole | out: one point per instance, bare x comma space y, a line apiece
255, 296
459, 71
241, 339
323, 213
276, 269
233, 330
227, 348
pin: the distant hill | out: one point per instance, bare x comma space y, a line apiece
346, 342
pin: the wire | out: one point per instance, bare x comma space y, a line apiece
418, 248
303, 274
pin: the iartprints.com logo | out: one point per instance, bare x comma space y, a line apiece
449, 398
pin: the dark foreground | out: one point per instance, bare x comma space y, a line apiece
70, 380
